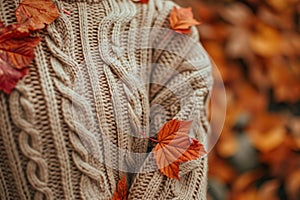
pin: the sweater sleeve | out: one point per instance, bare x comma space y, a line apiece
180, 85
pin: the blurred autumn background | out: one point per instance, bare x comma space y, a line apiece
256, 47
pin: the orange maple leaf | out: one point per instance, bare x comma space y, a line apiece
175, 146
16, 52
182, 19
121, 191
36, 13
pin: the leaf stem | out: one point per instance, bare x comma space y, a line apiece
153, 140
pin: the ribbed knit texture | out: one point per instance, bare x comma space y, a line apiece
87, 96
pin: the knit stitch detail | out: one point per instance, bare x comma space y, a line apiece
103, 74
60, 62
29, 142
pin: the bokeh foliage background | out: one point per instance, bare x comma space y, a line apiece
256, 47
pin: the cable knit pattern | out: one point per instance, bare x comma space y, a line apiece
61, 59
102, 75
36, 167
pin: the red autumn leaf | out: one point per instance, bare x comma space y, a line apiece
1, 25
16, 46
121, 192
16, 52
9, 77
182, 19
175, 146
141, 1
36, 13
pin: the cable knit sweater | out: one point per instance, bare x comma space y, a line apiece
101, 75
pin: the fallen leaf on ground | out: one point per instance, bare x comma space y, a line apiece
267, 132
268, 190
266, 40
285, 82
227, 144
293, 185
222, 170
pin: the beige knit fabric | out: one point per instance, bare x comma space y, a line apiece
66, 137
